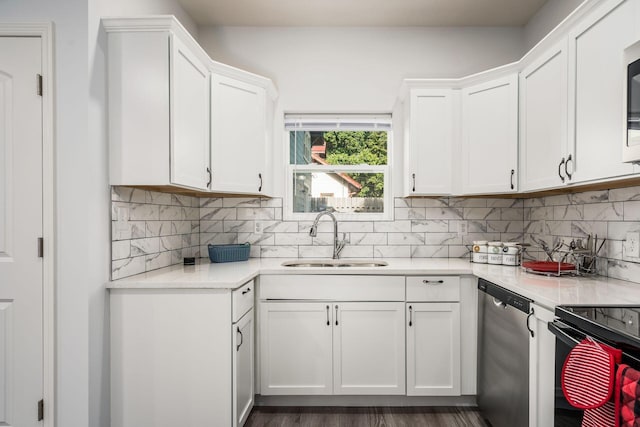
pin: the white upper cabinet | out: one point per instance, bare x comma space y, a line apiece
177, 118
158, 88
543, 120
490, 137
189, 112
238, 135
596, 78
428, 137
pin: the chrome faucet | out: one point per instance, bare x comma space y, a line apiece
338, 245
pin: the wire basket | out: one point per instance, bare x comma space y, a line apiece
229, 253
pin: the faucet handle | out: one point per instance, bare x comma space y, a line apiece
346, 239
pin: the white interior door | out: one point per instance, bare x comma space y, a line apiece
21, 272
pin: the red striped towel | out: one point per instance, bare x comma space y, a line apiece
627, 397
588, 375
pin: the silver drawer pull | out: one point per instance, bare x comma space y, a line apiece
247, 291
432, 282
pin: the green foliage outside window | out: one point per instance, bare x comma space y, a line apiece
356, 148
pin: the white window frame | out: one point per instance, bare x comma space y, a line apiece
387, 215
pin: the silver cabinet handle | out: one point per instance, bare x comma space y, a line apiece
432, 282
241, 338
413, 176
260, 187
247, 291
328, 321
562, 162
566, 167
513, 172
209, 182
410, 316
336, 315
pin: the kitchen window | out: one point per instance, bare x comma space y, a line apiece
338, 162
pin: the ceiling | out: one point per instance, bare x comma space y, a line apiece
397, 13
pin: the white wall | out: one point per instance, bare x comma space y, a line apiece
546, 19
98, 200
357, 69
338, 69
72, 222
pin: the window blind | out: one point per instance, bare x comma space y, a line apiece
329, 122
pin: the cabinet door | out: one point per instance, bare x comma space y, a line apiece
596, 96
428, 142
295, 348
433, 349
238, 135
490, 137
542, 353
243, 369
543, 120
369, 348
189, 94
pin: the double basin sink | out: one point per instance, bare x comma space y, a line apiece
334, 263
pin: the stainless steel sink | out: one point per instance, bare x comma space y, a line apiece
334, 263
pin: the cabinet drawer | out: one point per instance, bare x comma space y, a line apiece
433, 288
242, 300
332, 287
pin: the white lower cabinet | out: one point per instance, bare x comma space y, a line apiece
243, 392
181, 357
324, 348
368, 348
396, 336
296, 348
542, 351
433, 349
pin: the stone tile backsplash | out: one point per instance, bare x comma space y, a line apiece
153, 230
609, 214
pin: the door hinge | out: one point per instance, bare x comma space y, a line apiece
39, 89
40, 247
40, 410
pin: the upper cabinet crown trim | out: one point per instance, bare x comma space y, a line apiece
171, 23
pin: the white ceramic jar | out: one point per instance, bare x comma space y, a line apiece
510, 252
480, 250
495, 253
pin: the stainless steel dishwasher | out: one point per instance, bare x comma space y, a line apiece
503, 356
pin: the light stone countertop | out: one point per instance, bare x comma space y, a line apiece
546, 291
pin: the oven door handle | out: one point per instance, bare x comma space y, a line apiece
556, 327
559, 329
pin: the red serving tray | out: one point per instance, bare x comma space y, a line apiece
548, 266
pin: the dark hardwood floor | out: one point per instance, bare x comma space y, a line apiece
364, 417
